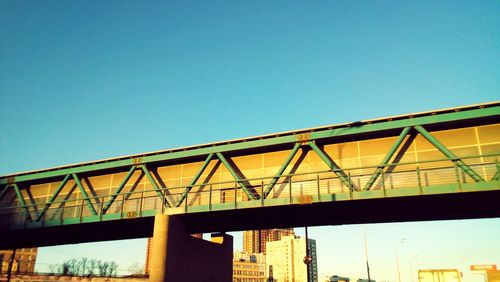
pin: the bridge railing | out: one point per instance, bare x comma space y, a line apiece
285, 189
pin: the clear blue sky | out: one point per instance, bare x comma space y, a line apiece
81, 81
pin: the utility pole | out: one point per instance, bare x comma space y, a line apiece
307, 258
11, 264
397, 258
367, 264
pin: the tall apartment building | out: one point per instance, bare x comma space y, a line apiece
254, 241
24, 260
286, 257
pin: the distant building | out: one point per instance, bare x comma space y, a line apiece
24, 260
286, 257
493, 275
254, 241
336, 278
439, 275
249, 267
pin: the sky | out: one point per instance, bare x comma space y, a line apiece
87, 80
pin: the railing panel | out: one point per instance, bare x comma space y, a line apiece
133, 202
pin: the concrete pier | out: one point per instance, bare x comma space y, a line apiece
178, 256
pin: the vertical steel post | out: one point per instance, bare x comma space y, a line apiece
26, 215
262, 192
43, 220
163, 198
235, 194
122, 206
496, 176
210, 198
383, 182
290, 190
349, 184
141, 203
457, 175
419, 180
81, 210
383, 179
318, 184
186, 203
101, 209
62, 212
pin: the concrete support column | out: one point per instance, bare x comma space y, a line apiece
158, 262
178, 256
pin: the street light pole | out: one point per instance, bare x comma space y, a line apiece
307, 258
397, 264
397, 258
411, 266
367, 264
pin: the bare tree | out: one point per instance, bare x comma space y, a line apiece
103, 268
92, 267
136, 269
86, 267
112, 268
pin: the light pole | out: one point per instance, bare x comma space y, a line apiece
367, 265
307, 258
397, 258
411, 266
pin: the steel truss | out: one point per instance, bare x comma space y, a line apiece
313, 140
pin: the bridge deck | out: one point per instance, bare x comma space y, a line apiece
450, 153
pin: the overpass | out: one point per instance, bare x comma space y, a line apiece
424, 166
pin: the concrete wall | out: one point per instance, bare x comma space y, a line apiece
178, 256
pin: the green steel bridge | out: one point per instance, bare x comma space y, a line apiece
424, 166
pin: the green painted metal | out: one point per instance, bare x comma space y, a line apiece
449, 154
195, 178
53, 197
84, 193
270, 187
118, 190
265, 141
4, 192
21, 200
331, 164
342, 196
155, 186
495, 177
386, 159
236, 176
